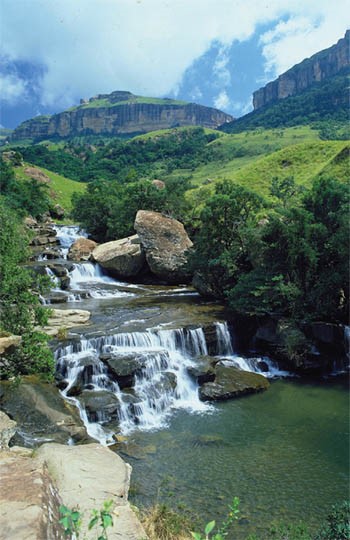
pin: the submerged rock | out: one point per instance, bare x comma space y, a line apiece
232, 382
165, 243
122, 258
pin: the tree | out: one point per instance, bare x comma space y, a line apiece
20, 309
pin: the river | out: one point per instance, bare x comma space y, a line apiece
283, 452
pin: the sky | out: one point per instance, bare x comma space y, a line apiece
212, 52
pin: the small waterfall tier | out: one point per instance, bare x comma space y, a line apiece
127, 381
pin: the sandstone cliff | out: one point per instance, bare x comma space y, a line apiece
319, 67
120, 113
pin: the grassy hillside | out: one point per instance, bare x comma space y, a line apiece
61, 188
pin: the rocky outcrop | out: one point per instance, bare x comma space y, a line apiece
37, 174
29, 502
123, 258
165, 243
81, 249
84, 477
9, 343
319, 67
40, 413
114, 114
7, 430
65, 318
231, 382
87, 476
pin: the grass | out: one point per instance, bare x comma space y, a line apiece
104, 102
62, 188
171, 131
162, 523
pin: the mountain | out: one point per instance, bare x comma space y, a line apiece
320, 66
119, 113
315, 90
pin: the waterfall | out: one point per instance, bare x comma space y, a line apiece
54, 279
160, 385
67, 235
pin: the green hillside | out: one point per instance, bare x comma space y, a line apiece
61, 188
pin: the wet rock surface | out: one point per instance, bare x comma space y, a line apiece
231, 382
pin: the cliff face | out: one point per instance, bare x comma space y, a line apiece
120, 113
319, 67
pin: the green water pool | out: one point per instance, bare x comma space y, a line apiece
284, 453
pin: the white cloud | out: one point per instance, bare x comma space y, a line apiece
92, 46
12, 89
222, 101
220, 68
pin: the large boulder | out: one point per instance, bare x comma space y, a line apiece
232, 382
122, 258
81, 249
165, 243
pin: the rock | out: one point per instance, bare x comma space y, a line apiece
81, 249
40, 413
122, 258
125, 116
320, 66
124, 366
88, 475
202, 286
7, 430
204, 370
9, 343
57, 212
232, 382
29, 502
165, 243
65, 318
159, 184
30, 222
58, 269
327, 333
97, 403
37, 174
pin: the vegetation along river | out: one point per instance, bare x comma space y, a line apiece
284, 452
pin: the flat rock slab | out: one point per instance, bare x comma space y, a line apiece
87, 476
29, 502
65, 318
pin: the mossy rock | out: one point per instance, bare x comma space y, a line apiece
231, 382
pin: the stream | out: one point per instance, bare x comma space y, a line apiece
283, 452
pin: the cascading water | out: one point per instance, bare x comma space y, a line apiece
134, 380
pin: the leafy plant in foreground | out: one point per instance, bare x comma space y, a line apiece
222, 531
71, 521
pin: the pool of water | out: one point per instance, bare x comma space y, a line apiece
284, 453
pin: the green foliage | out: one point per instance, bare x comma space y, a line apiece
107, 210
26, 197
100, 520
222, 531
281, 265
337, 525
20, 309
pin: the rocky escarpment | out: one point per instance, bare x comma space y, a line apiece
317, 68
120, 113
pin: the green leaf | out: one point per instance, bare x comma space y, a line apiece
107, 520
92, 522
209, 527
196, 536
